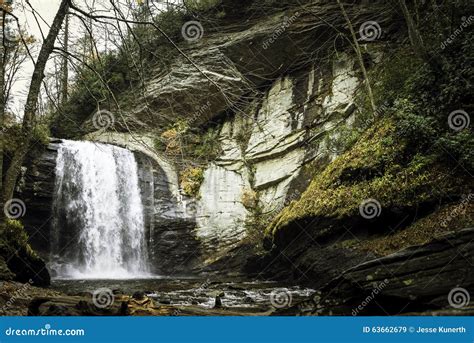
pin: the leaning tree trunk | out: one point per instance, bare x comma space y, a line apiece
29, 117
360, 58
415, 38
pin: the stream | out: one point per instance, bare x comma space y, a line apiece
245, 295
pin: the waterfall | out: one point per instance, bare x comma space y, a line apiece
98, 224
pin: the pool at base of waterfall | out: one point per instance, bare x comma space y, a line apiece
256, 296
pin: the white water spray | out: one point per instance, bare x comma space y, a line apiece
98, 225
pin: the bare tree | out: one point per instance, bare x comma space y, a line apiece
31, 105
2, 97
64, 66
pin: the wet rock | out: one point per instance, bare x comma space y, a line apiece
422, 275
27, 267
36, 191
419, 279
139, 295
218, 302
249, 300
5, 273
58, 310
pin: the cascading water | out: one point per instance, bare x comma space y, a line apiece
98, 225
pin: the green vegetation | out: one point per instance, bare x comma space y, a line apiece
14, 240
201, 5
201, 145
14, 233
206, 146
191, 180
410, 155
102, 78
12, 138
422, 231
256, 221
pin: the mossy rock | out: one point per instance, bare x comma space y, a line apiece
20, 259
379, 167
191, 180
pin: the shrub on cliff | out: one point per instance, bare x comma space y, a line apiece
191, 180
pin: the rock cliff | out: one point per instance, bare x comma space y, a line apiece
300, 156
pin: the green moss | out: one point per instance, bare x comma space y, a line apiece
14, 238
13, 235
409, 155
191, 180
379, 166
448, 218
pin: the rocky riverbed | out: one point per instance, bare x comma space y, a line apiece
154, 296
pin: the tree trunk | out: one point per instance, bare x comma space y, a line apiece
65, 71
415, 38
29, 117
2, 107
360, 58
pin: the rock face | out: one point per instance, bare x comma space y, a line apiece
436, 277
236, 60
172, 245
286, 131
265, 150
37, 191
285, 105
